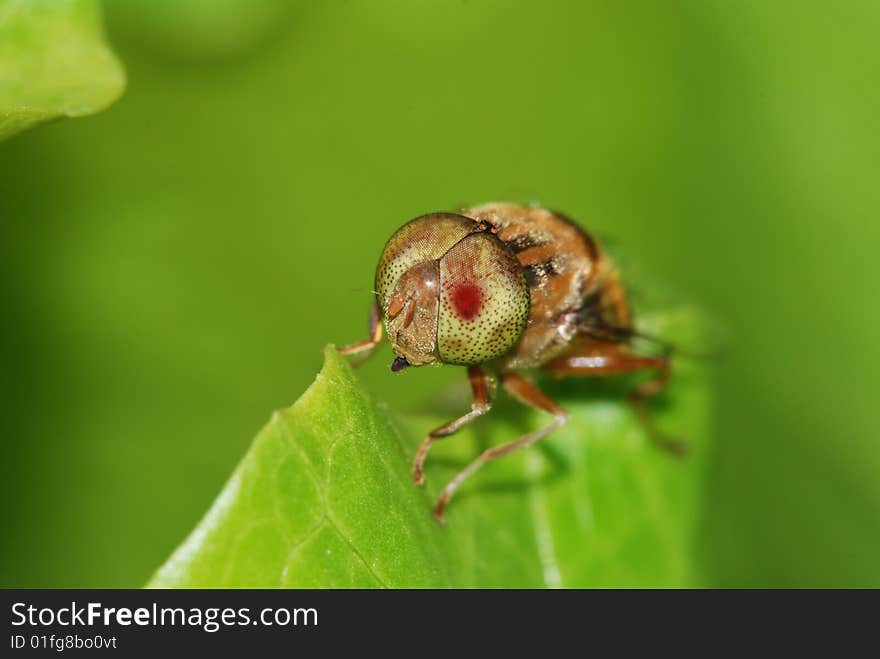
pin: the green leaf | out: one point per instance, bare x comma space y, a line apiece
324, 497
54, 62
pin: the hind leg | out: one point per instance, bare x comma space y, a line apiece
603, 358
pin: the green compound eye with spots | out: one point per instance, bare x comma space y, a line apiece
450, 291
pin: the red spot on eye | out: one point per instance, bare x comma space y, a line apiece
467, 300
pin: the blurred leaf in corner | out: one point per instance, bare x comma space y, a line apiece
54, 62
198, 32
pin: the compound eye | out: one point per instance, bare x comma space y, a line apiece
426, 238
407, 283
484, 301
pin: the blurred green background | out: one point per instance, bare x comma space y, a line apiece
171, 268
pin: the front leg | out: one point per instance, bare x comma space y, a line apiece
480, 385
365, 347
528, 394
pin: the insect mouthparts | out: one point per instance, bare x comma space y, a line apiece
399, 364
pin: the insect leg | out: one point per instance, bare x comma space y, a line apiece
480, 385
603, 358
639, 396
528, 394
365, 347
